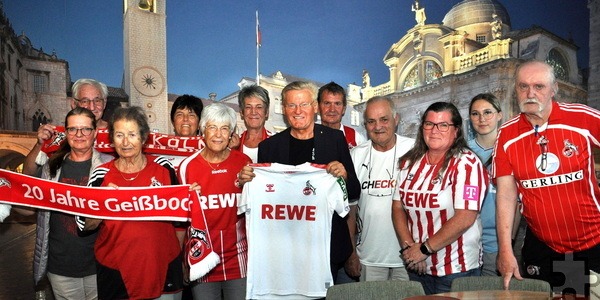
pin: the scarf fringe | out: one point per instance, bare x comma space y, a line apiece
201, 268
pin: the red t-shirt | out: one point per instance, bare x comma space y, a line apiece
219, 199
140, 250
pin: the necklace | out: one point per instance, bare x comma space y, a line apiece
130, 179
217, 165
136, 174
211, 166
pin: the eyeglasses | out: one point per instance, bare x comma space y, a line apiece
293, 106
86, 101
443, 127
543, 142
486, 114
84, 131
212, 129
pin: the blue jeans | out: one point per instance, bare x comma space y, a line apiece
436, 285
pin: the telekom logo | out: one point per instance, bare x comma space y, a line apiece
471, 192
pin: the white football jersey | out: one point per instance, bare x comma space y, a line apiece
288, 221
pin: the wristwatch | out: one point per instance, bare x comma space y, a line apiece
424, 249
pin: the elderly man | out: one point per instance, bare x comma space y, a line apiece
545, 155
305, 141
87, 93
376, 165
332, 107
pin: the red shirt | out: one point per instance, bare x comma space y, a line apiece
140, 250
559, 188
219, 199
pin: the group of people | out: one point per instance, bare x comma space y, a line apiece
429, 209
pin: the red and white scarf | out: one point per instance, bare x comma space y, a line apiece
164, 203
157, 143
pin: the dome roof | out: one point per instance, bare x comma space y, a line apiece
475, 11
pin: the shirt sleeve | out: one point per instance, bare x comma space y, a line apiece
471, 181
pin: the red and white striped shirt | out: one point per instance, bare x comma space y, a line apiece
430, 200
560, 192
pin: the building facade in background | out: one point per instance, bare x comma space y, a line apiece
473, 50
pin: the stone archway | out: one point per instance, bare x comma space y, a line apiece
14, 147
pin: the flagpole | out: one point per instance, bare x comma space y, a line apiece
258, 41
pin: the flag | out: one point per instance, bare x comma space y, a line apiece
258, 33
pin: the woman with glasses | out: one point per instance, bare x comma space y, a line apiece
215, 169
485, 115
436, 205
60, 253
135, 259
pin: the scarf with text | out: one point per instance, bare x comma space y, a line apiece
157, 143
162, 203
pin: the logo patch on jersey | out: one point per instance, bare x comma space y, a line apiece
471, 192
410, 177
547, 163
570, 149
197, 243
270, 188
552, 180
436, 180
309, 189
155, 182
4, 182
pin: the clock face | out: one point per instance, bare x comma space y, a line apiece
148, 81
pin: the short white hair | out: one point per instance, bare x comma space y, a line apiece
218, 113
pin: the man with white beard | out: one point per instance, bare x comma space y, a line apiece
545, 154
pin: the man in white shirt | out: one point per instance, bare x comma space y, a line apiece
376, 165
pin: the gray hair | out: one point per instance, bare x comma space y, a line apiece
254, 91
388, 100
134, 114
300, 85
218, 113
550, 72
95, 83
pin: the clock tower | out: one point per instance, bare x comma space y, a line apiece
145, 59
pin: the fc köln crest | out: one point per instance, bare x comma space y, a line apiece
309, 189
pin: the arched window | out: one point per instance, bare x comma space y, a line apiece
559, 63
38, 119
432, 71
412, 80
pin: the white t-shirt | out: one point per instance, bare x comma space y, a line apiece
288, 221
377, 173
251, 152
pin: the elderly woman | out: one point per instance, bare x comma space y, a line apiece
435, 211
215, 169
135, 259
254, 110
66, 258
185, 115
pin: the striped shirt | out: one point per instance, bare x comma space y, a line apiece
430, 200
553, 166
